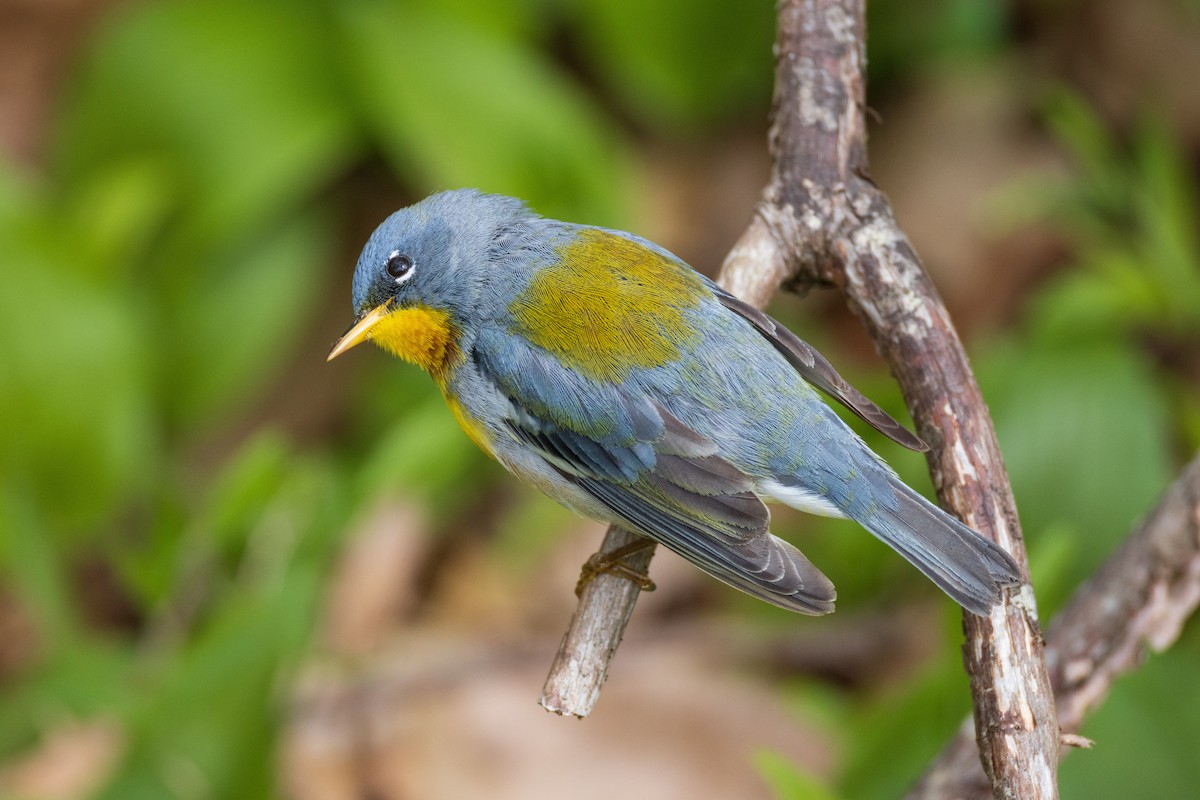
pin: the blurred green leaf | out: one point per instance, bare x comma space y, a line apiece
1134, 217
205, 729
909, 39
680, 64
159, 565
1075, 424
89, 679
1165, 204
1144, 738
517, 20
1088, 139
33, 567
1053, 555
116, 216
247, 483
234, 97
427, 95
236, 328
73, 368
16, 195
905, 730
423, 454
209, 707
790, 782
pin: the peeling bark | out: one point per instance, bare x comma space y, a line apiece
1137, 601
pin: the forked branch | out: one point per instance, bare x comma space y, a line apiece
822, 220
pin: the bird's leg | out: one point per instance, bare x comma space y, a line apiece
613, 563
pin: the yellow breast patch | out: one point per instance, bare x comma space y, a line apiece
609, 305
422, 335
474, 431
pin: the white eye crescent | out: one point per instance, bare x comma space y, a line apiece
399, 266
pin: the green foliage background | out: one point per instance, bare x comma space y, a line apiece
167, 265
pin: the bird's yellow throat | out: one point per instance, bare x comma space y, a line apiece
427, 338
422, 335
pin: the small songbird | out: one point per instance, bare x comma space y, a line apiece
604, 371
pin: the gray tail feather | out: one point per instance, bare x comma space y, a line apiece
967, 566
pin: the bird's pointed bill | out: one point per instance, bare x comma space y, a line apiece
359, 331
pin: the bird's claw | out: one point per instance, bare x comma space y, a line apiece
613, 563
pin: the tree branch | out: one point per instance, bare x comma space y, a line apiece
605, 605
822, 198
1138, 600
822, 220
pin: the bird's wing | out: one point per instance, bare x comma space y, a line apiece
813, 367
648, 468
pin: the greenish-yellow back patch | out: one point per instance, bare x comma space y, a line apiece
609, 305
422, 335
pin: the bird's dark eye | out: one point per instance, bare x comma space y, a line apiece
398, 264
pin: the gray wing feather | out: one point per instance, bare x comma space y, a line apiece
760, 565
676, 490
815, 369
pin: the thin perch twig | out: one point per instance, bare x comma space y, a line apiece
591, 640
581, 664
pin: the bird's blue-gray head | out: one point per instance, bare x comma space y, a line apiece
431, 252
423, 268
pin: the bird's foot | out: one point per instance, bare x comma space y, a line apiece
613, 563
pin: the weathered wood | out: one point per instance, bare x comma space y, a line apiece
821, 195
580, 666
1137, 601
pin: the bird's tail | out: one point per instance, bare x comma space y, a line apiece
968, 567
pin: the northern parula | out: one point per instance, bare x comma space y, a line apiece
604, 371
